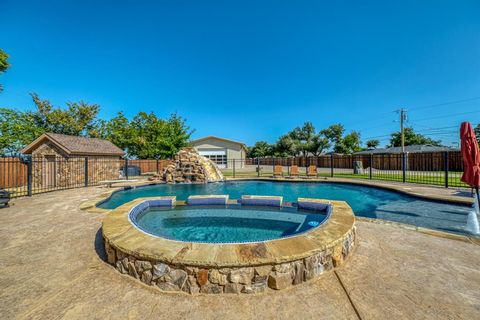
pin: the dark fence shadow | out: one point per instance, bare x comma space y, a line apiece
99, 246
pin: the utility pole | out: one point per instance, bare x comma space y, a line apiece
403, 118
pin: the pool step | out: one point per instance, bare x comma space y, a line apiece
251, 200
151, 203
208, 200
312, 204
167, 201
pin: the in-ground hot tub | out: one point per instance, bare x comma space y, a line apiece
237, 247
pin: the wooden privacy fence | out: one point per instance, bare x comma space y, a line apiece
13, 172
148, 166
431, 161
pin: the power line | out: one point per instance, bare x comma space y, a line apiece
448, 115
432, 131
427, 132
445, 103
418, 108
431, 128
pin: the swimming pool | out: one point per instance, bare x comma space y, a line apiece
365, 201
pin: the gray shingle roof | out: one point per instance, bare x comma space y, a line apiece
74, 145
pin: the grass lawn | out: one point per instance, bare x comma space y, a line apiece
430, 178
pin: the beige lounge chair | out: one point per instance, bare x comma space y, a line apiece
294, 172
312, 172
277, 171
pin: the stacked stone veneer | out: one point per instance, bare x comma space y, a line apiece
251, 279
69, 171
188, 166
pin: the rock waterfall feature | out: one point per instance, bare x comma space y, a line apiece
190, 167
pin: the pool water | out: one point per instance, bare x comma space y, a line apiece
365, 201
234, 224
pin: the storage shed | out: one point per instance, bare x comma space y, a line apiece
60, 160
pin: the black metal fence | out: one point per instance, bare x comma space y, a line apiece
23, 176
435, 168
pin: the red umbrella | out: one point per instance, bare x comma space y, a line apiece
471, 156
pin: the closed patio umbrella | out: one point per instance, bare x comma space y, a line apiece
471, 157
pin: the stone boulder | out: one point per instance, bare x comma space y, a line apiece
190, 167
357, 167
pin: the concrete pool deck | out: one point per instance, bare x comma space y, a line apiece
51, 266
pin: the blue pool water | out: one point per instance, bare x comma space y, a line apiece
365, 201
226, 225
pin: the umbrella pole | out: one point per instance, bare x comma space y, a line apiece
477, 207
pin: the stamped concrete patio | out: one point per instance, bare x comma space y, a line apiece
51, 267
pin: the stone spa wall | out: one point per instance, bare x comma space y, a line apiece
251, 279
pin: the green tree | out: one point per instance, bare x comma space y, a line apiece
4, 65
319, 144
303, 138
411, 138
177, 136
334, 134
16, 130
286, 146
342, 144
260, 149
117, 130
154, 138
352, 143
372, 144
78, 119
145, 136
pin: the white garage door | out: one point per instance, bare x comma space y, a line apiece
217, 156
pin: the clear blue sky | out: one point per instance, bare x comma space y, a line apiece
251, 70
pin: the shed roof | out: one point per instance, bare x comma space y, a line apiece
218, 138
75, 145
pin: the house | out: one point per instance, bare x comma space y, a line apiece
221, 151
60, 160
417, 148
